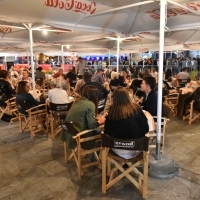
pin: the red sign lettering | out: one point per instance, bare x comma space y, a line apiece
73, 5
175, 11
5, 30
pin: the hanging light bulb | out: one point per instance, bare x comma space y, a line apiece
44, 32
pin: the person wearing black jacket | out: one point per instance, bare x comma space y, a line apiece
6, 91
102, 92
125, 120
24, 99
151, 96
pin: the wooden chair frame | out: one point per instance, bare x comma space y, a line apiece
10, 108
109, 159
78, 152
171, 100
55, 111
34, 117
153, 134
193, 114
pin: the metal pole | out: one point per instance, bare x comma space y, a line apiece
109, 57
31, 54
62, 57
118, 40
5, 61
27, 58
160, 77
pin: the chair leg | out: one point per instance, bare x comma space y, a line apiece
145, 179
79, 159
103, 170
65, 152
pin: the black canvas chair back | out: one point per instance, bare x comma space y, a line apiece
101, 105
73, 83
69, 127
22, 107
126, 144
183, 82
39, 81
60, 107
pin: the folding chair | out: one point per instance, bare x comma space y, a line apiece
78, 152
101, 105
57, 111
34, 116
193, 111
171, 100
109, 158
183, 82
153, 134
11, 109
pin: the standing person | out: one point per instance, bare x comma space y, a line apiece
151, 96
81, 66
40, 74
125, 120
71, 77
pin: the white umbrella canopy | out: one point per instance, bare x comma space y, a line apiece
67, 24
73, 15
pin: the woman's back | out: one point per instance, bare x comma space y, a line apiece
132, 127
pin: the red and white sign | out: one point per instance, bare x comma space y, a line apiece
66, 67
73, 5
45, 67
20, 66
2, 66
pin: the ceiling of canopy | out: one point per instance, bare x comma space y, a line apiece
84, 27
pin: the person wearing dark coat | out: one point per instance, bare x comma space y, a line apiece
125, 120
151, 96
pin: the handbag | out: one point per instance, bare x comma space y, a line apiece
6, 117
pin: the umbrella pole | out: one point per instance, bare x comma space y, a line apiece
161, 166
118, 40
109, 57
31, 54
27, 58
62, 57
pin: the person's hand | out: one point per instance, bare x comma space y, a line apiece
101, 119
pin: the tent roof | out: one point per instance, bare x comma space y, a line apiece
77, 24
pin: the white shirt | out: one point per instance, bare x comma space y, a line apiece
59, 96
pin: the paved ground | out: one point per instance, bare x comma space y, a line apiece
34, 169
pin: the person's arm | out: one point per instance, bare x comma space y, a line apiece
105, 91
9, 89
77, 89
31, 100
91, 120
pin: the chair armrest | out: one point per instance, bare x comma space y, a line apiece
35, 107
86, 131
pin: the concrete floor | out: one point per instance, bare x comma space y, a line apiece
34, 169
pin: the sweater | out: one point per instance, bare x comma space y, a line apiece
133, 127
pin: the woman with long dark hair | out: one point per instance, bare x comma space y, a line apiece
83, 115
24, 99
125, 120
6, 90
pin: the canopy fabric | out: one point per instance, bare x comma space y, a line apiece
75, 23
